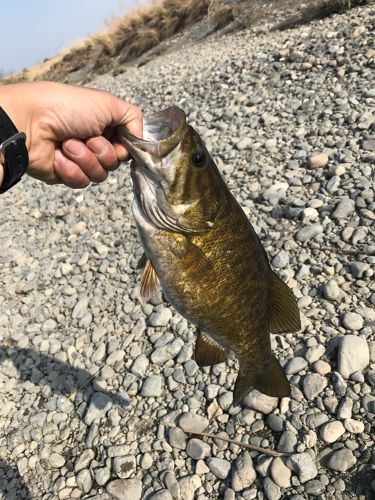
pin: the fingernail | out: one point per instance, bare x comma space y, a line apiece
97, 147
74, 147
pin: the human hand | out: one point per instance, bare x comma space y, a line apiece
70, 130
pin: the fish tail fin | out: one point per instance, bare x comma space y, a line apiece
270, 380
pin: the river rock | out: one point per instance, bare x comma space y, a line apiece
243, 474
353, 355
352, 321
318, 160
192, 422
99, 405
341, 460
121, 489
303, 465
260, 402
331, 431
313, 384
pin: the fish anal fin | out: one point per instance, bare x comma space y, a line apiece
284, 310
269, 380
150, 283
208, 352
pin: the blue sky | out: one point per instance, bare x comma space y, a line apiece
32, 30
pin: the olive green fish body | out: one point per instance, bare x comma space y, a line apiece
218, 280
210, 262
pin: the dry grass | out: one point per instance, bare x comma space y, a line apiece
220, 14
130, 36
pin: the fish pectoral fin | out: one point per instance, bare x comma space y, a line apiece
208, 352
270, 379
199, 256
142, 262
150, 283
190, 254
284, 310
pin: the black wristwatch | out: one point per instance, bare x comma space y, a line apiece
15, 158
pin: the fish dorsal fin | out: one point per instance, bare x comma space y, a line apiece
270, 380
284, 310
208, 352
142, 262
150, 283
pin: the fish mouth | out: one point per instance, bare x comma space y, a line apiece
162, 132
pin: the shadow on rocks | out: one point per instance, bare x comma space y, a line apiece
43, 369
360, 482
12, 485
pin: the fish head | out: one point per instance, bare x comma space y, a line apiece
176, 182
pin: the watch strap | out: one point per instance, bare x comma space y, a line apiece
14, 152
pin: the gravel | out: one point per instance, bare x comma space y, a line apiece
101, 394
314, 352
354, 426
160, 317
288, 442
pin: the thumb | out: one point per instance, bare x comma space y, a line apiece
128, 115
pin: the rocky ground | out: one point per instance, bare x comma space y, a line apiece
289, 117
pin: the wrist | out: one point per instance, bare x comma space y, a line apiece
14, 158
1, 172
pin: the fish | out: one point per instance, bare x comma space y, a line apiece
202, 251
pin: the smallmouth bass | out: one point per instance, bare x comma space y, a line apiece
201, 248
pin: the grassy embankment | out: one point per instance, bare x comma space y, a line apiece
145, 28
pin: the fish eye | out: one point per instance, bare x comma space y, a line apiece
198, 159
